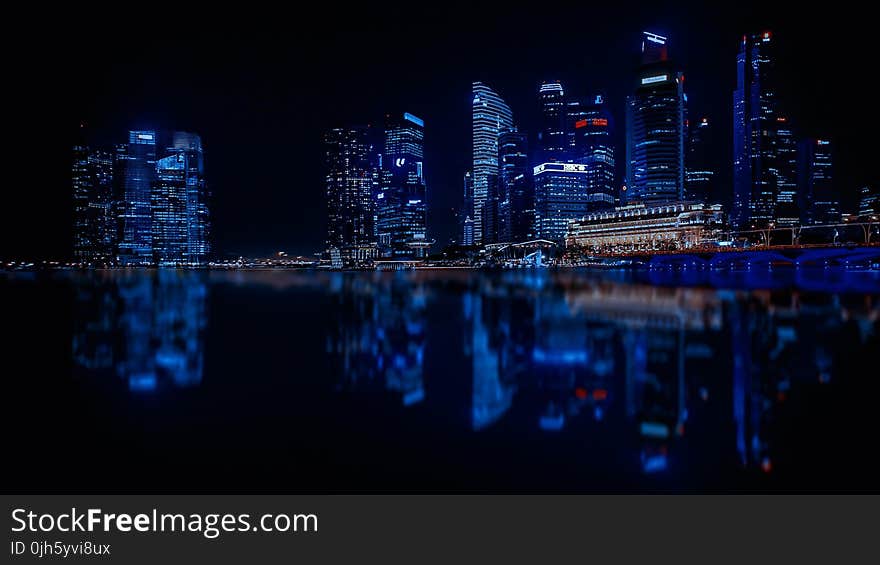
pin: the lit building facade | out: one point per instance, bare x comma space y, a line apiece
561, 195
350, 162
94, 207
754, 133
679, 225
180, 212
402, 198
821, 203
136, 246
490, 117
655, 136
553, 137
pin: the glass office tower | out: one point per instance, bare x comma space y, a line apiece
136, 247
561, 195
402, 198
655, 125
491, 116
181, 221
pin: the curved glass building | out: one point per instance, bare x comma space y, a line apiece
491, 117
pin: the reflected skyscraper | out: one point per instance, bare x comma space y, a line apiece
655, 128
491, 117
147, 327
139, 174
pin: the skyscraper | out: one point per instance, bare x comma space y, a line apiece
350, 162
821, 203
491, 116
788, 212
518, 214
402, 198
592, 146
180, 218
561, 195
553, 137
94, 217
136, 247
655, 135
699, 169
755, 156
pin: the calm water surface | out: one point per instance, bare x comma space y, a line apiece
516, 381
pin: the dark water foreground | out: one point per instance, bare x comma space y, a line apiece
525, 381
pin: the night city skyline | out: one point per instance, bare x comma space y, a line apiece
262, 129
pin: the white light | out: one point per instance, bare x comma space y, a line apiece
652, 80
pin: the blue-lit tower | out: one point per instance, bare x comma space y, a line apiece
136, 247
655, 128
491, 117
402, 198
181, 220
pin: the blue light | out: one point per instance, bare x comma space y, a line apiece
414, 119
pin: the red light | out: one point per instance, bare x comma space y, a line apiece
580, 124
580, 393
766, 465
600, 122
600, 394
780, 396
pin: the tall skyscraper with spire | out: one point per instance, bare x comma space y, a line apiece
491, 117
655, 128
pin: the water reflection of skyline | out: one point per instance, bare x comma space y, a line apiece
560, 350
147, 328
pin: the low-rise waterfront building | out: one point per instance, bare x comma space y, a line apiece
677, 225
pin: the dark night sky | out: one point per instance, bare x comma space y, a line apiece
260, 88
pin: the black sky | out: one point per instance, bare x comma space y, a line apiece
261, 86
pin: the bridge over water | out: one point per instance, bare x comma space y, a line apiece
825, 256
